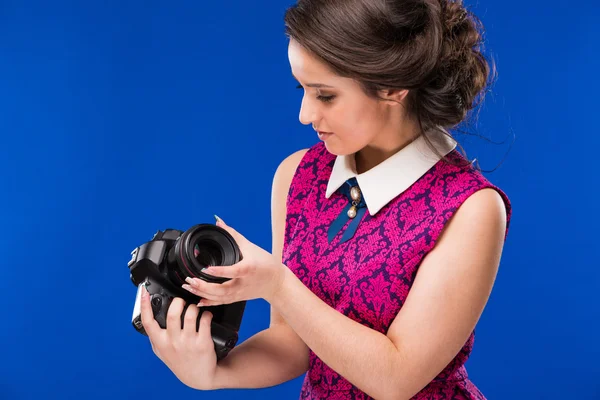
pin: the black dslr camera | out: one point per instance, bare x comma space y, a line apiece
163, 263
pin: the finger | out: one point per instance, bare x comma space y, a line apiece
237, 270
174, 317
212, 303
149, 323
238, 237
209, 290
204, 330
189, 321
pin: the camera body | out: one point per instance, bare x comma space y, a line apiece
163, 263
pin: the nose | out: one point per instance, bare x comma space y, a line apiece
309, 113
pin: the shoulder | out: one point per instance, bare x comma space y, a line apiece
475, 227
284, 175
469, 190
288, 166
292, 161
299, 159
480, 223
485, 205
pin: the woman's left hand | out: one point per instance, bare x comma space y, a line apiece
258, 275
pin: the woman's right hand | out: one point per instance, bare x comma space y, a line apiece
190, 355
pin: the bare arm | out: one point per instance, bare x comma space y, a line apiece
446, 300
277, 354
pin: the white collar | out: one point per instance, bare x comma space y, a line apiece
385, 181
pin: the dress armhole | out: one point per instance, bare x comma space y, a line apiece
299, 184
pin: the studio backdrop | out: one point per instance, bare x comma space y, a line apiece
118, 119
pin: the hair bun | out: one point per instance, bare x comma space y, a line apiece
462, 72
454, 14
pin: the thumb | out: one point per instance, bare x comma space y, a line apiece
238, 237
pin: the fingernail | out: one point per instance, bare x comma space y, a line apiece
188, 280
200, 303
217, 218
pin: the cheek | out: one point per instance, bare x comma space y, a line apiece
353, 131
357, 124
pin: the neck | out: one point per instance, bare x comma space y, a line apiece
374, 154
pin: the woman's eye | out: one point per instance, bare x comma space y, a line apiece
324, 99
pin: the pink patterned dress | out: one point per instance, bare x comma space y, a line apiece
366, 274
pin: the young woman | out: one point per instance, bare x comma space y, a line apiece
386, 240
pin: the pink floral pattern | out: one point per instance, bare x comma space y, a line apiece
368, 277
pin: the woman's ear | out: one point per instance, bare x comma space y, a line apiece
394, 96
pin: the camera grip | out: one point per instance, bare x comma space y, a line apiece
224, 339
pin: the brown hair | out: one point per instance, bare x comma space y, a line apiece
430, 47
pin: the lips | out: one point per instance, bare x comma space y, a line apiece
324, 135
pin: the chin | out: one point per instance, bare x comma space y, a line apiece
337, 151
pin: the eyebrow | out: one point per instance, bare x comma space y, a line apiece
314, 85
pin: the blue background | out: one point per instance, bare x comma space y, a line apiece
121, 118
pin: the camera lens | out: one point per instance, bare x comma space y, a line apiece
199, 247
207, 254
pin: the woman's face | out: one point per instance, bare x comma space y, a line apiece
341, 107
